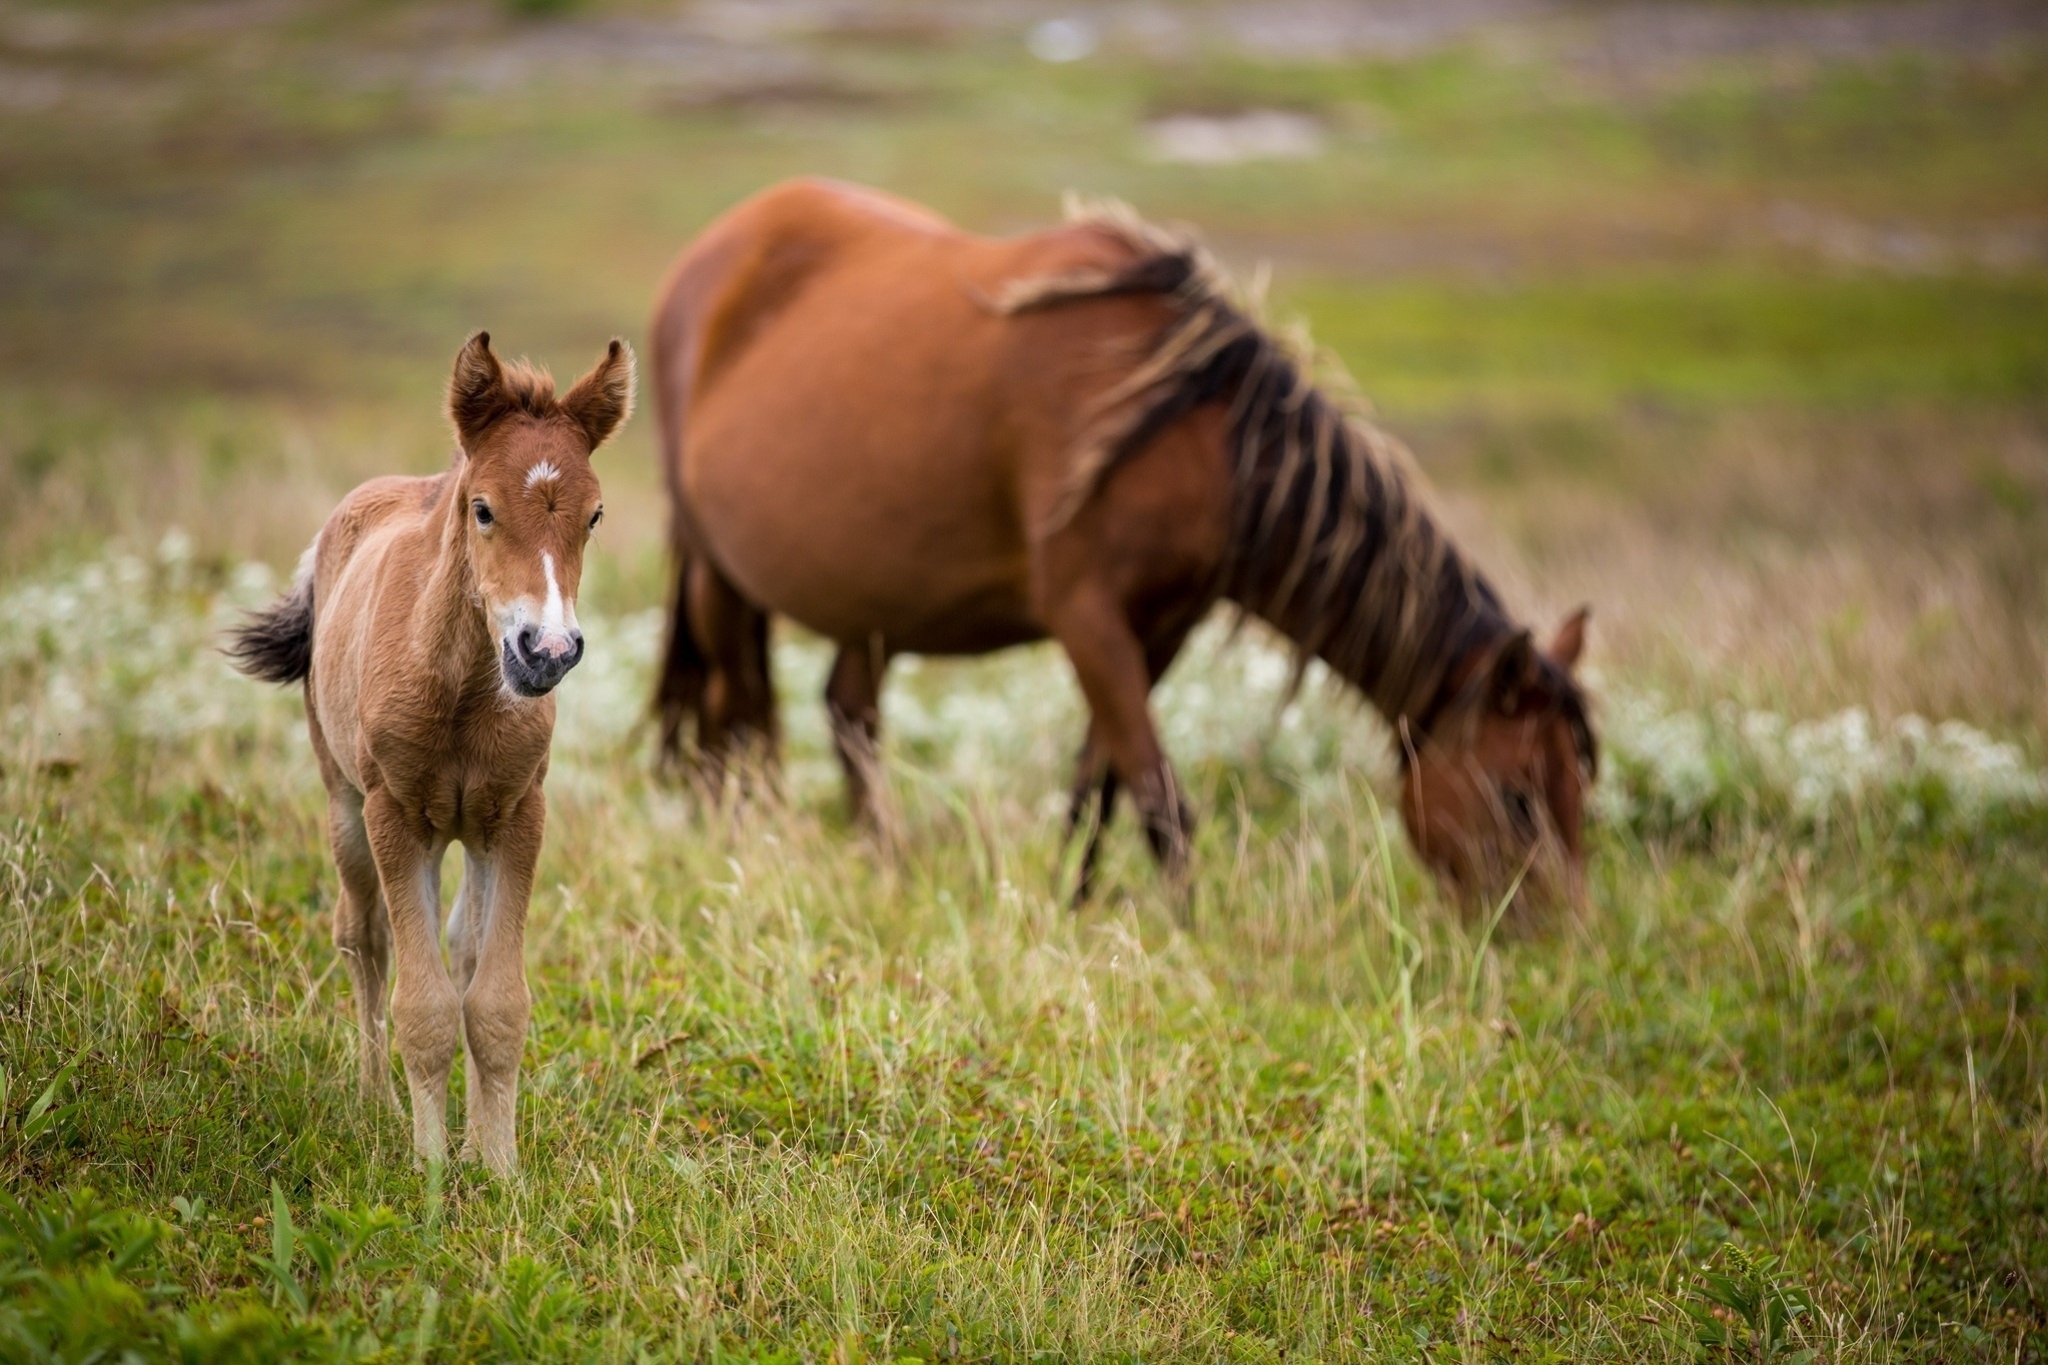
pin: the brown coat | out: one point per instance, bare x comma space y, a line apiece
913, 439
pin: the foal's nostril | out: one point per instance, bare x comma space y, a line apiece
575, 654
527, 642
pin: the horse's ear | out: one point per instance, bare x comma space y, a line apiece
603, 399
476, 390
1570, 640
1514, 673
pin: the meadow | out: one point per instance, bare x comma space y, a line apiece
1731, 320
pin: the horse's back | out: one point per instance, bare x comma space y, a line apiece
860, 435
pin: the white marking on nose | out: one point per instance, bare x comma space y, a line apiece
552, 619
543, 471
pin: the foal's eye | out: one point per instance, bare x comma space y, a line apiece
596, 517
483, 512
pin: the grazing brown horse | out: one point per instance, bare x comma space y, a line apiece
430, 621
916, 440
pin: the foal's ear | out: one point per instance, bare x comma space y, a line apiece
1570, 640
476, 390
1514, 673
602, 400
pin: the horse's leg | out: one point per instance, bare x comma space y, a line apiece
426, 1009
495, 1001
1093, 775
853, 700
1110, 662
466, 926
362, 934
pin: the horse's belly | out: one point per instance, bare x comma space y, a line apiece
915, 545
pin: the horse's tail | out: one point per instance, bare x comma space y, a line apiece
275, 643
685, 668
710, 304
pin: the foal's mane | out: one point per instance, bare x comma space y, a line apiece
531, 388
1330, 538
521, 387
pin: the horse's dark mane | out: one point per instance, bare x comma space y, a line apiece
1330, 540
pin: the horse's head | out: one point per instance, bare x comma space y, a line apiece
1496, 793
531, 499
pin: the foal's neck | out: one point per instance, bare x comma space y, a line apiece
451, 637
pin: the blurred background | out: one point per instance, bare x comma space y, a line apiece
1731, 319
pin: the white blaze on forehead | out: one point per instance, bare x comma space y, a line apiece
552, 617
542, 472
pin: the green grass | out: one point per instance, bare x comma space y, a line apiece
1700, 339
793, 1092
786, 1095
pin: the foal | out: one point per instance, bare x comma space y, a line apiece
430, 620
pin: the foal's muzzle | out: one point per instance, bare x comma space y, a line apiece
535, 660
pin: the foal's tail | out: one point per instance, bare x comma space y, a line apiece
275, 643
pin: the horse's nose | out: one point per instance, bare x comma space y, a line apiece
558, 649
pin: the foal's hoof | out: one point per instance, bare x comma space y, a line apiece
501, 1160
501, 1165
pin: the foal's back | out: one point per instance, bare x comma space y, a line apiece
371, 560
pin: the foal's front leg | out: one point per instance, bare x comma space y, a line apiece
495, 1002
362, 934
426, 1011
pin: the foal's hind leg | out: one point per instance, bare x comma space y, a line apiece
853, 701
362, 933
